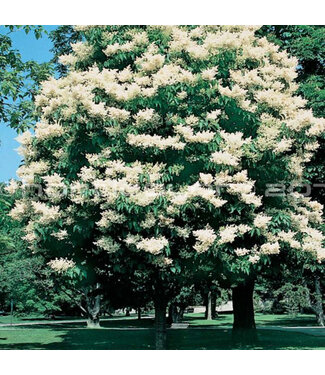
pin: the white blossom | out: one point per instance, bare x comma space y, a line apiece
61, 265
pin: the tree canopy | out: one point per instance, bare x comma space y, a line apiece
174, 148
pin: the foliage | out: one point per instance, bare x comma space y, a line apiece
62, 38
293, 298
25, 278
19, 80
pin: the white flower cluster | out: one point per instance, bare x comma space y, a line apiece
145, 116
313, 242
229, 233
152, 245
68, 94
120, 115
254, 258
149, 221
270, 248
28, 172
196, 191
30, 237
19, 210
161, 261
61, 265
82, 50
189, 136
12, 187
239, 94
261, 221
241, 252
209, 74
44, 130
108, 244
283, 146
47, 214
172, 74
239, 184
150, 61
311, 210
138, 39
87, 174
233, 142
61, 234
54, 187
206, 178
289, 237
205, 238
225, 158
144, 198
110, 217
25, 138
146, 141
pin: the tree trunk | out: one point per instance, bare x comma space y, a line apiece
160, 324
93, 307
214, 313
208, 307
139, 313
181, 313
93, 321
127, 311
244, 328
175, 314
170, 317
318, 307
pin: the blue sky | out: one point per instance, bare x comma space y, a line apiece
30, 49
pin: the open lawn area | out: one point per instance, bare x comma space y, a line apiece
274, 332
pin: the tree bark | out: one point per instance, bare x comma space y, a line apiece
318, 306
208, 307
244, 328
214, 313
175, 313
160, 324
181, 313
127, 311
93, 307
139, 313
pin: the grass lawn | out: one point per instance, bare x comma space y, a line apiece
41, 319
301, 320
129, 333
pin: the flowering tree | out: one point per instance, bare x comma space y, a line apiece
164, 140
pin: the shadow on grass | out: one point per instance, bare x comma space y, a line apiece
83, 339
287, 321
59, 338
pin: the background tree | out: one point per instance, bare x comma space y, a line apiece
19, 80
25, 278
